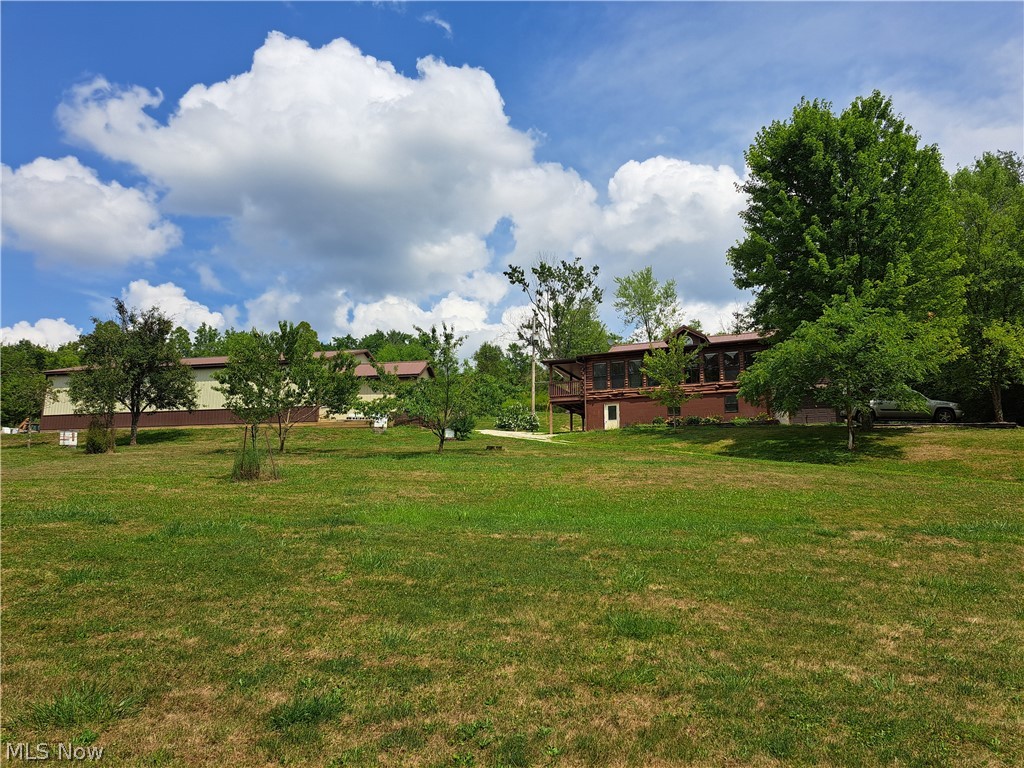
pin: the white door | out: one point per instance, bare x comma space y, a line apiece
611, 416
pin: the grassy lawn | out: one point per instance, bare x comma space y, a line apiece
710, 596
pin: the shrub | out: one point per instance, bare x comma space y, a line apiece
740, 421
247, 464
98, 439
696, 421
657, 421
517, 418
462, 425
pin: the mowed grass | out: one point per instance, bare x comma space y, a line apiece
706, 596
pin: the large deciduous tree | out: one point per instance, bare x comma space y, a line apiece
134, 362
208, 341
853, 353
564, 298
989, 202
847, 209
840, 202
652, 307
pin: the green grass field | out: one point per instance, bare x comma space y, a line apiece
712, 596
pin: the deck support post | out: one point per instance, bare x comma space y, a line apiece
551, 419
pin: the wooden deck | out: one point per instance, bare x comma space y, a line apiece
565, 390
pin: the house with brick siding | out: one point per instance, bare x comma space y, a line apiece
609, 390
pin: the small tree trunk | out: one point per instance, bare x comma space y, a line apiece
111, 438
270, 455
851, 437
135, 430
440, 444
997, 400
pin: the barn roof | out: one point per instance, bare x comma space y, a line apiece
410, 369
220, 361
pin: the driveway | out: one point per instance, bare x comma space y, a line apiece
544, 437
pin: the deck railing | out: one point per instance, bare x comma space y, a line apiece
565, 389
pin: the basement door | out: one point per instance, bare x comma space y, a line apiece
611, 416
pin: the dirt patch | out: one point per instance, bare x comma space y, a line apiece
933, 452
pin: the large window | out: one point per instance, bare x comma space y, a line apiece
618, 374
732, 404
633, 374
600, 375
732, 365
693, 372
748, 359
711, 370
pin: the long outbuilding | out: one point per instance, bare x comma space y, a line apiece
59, 411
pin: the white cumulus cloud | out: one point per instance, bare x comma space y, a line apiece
372, 178
385, 188
208, 279
273, 306
467, 316
61, 211
46, 332
677, 217
172, 301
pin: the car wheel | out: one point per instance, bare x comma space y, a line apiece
944, 416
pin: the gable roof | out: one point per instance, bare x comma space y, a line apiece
220, 361
404, 370
700, 338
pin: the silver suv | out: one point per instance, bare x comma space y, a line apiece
941, 411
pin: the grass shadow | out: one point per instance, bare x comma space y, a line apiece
152, 436
824, 444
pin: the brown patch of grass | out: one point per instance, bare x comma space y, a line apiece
866, 535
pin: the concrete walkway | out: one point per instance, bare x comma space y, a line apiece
544, 437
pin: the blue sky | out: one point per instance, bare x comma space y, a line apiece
378, 164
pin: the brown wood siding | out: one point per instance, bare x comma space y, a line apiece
204, 418
643, 410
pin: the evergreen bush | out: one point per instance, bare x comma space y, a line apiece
97, 438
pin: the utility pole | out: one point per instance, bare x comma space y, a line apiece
533, 368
